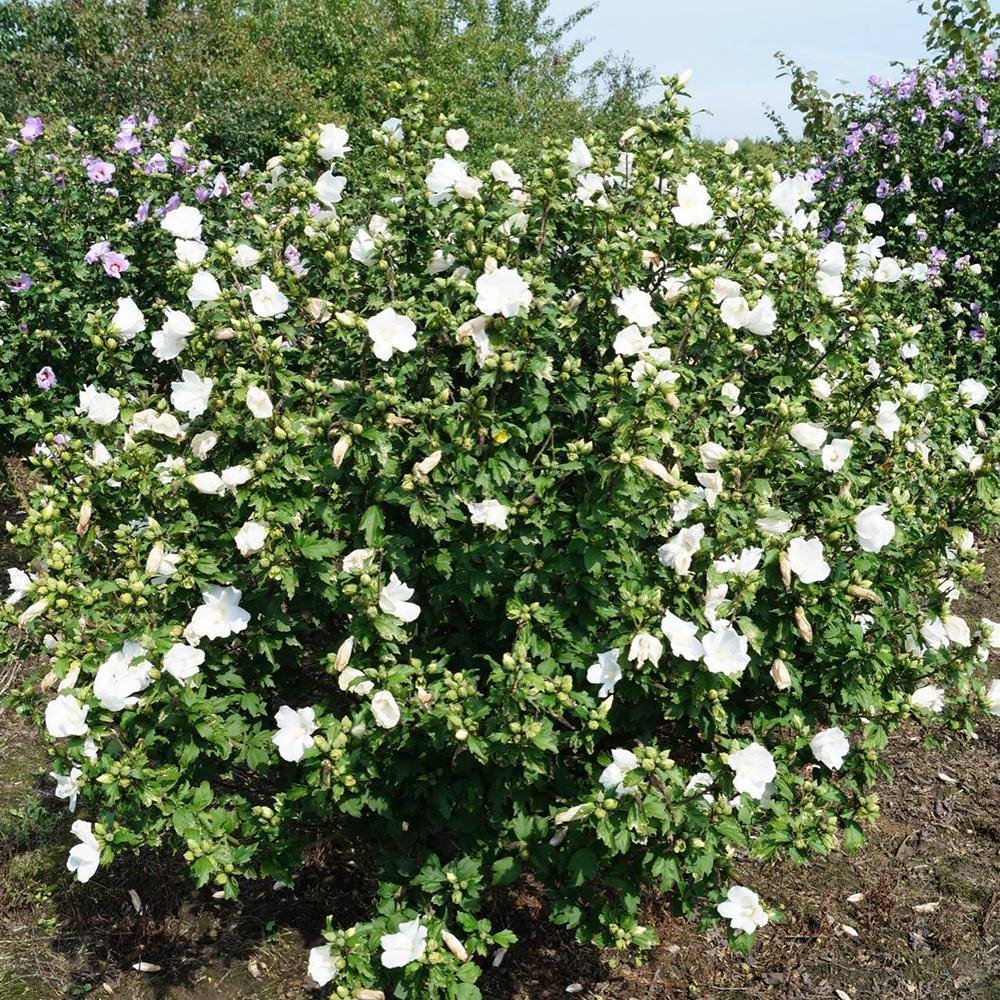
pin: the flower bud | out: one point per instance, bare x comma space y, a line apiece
86, 510
344, 654
340, 449
786, 570
427, 465
454, 946
802, 624
780, 675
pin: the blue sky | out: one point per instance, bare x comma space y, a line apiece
730, 44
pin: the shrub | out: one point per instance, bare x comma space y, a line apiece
587, 522
919, 154
82, 234
250, 74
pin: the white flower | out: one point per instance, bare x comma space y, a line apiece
84, 857
830, 747
492, 513
190, 251
219, 615
407, 945
613, 776
731, 147
268, 301
682, 637
991, 633
605, 671
392, 128
457, 139
348, 681
929, 698
693, 207
245, 256
809, 436
888, 272
203, 443
190, 395
739, 565
872, 213
389, 331
832, 260
171, 339
65, 716
215, 485
183, 222
774, 525
20, 584
182, 661
590, 186
958, 631
98, 406
362, 247
753, 768
736, 313
677, 552
725, 650
394, 600
645, 648
934, 633
329, 189
502, 292
993, 698
631, 341
121, 677
835, 454
251, 537
332, 146
322, 965
358, 560
204, 288
742, 909
295, 728
875, 531
503, 172
448, 177
805, 559
385, 709
580, 157
259, 403
972, 392
636, 306
711, 455
154, 422
128, 320
886, 419
68, 786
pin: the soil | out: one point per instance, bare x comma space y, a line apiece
915, 913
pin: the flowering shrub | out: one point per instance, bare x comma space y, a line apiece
587, 518
918, 157
85, 240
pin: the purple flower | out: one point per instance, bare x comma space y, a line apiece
151, 121
178, 152
174, 201
294, 261
156, 164
977, 334
919, 116
96, 252
246, 199
220, 188
884, 189
127, 143
100, 172
937, 184
975, 309
202, 194
32, 129
142, 212
12, 147
45, 378
937, 256
115, 264
20, 284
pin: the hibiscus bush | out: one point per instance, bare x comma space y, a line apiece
585, 518
84, 243
918, 157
